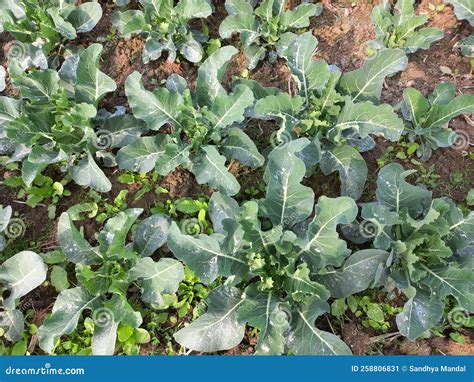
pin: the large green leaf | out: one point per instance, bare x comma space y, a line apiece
367, 118
217, 329
142, 154
209, 168
305, 339
366, 82
210, 74
91, 83
21, 274
85, 16
397, 194
420, 313
440, 114
157, 278
358, 273
311, 75
157, 108
238, 145
74, 246
321, 246
287, 201
262, 311
222, 207
204, 255
464, 10
282, 107
351, 167
13, 323
66, 313
151, 234
193, 9
87, 173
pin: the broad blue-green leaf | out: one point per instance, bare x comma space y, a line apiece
298, 282
9, 110
287, 201
66, 313
366, 82
454, 281
243, 23
193, 9
91, 83
305, 339
6, 214
321, 246
358, 273
85, 16
222, 207
74, 246
229, 109
300, 15
210, 74
218, 328
157, 278
209, 168
414, 106
105, 337
38, 86
282, 107
203, 254
12, 322
420, 313
191, 49
367, 118
397, 194
151, 234
441, 114
142, 154
157, 108
21, 274
311, 75
87, 173
174, 156
262, 311
129, 22
351, 167
461, 228
238, 145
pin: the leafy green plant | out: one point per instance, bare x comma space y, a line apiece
265, 29
13, 280
52, 122
429, 117
105, 273
40, 26
338, 112
420, 240
204, 123
5, 216
267, 250
401, 29
166, 27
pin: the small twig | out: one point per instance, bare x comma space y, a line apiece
329, 322
390, 336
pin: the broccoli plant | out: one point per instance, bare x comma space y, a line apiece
428, 118
267, 28
104, 274
204, 123
268, 250
423, 238
402, 29
40, 26
19, 275
165, 27
338, 112
52, 122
